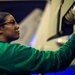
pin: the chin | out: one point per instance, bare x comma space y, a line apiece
10, 39
15, 38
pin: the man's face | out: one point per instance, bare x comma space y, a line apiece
10, 29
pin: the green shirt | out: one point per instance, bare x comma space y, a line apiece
19, 59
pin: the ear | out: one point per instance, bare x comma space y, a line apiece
1, 30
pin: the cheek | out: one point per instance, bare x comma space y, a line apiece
9, 31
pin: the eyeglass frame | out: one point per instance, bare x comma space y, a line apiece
11, 22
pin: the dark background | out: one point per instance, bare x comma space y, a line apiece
20, 9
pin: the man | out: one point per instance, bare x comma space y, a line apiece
18, 59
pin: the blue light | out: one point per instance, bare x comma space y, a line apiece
33, 40
69, 36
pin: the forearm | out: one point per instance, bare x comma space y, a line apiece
36, 61
58, 60
61, 59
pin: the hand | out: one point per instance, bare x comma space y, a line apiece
70, 16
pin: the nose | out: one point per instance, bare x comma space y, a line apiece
17, 26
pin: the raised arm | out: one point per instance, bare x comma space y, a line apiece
29, 59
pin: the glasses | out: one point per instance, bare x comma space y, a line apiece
11, 22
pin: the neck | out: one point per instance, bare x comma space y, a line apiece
3, 39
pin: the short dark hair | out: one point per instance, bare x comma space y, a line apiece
2, 17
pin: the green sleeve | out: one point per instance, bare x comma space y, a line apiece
30, 60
